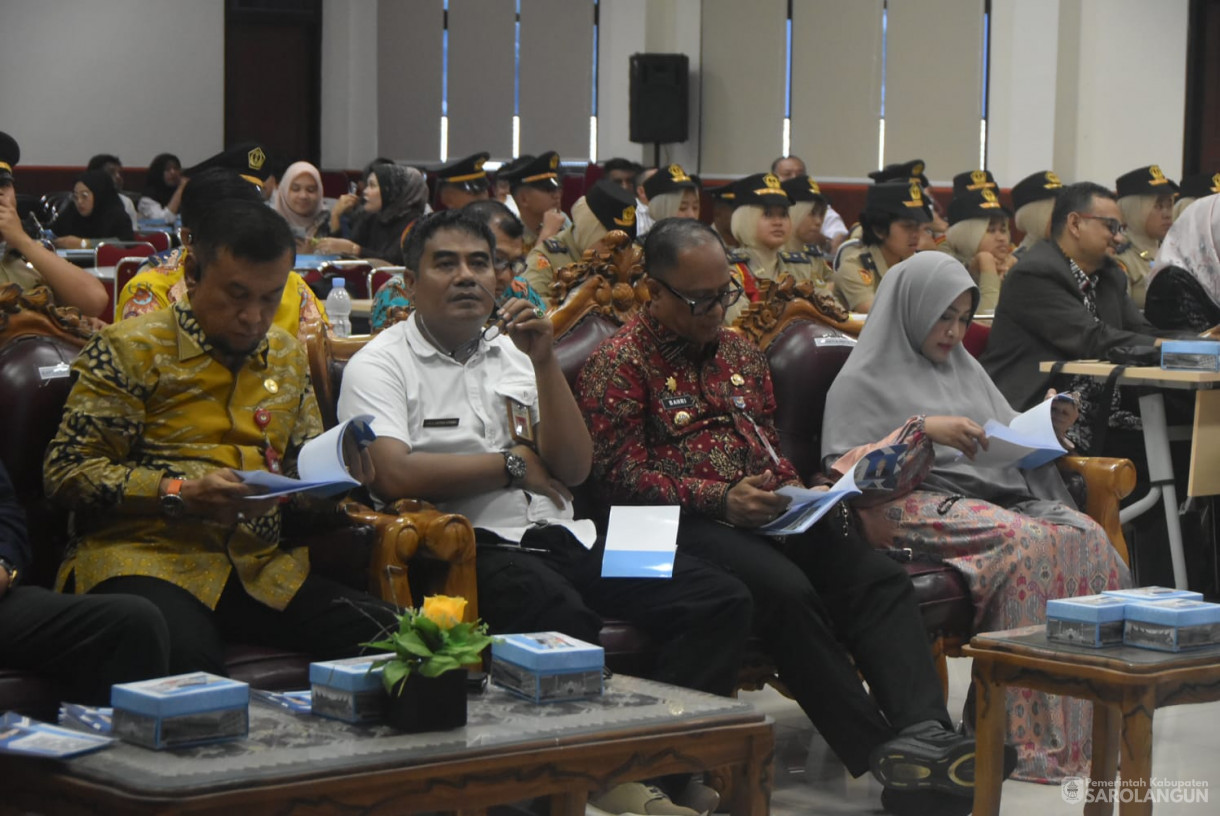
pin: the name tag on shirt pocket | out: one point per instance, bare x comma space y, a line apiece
676, 402
451, 422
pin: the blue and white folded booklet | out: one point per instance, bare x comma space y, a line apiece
22, 735
320, 464
1028, 441
875, 470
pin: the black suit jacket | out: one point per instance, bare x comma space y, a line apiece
1041, 316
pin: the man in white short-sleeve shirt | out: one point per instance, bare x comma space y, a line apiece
490, 429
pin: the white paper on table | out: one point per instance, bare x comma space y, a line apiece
641, 541
1028, 441
320, 464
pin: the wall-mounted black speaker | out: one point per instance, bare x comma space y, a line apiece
659, 98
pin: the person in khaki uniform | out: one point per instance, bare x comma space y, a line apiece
762, 226
933, 232
891, 229
26, 262
1195, 187
605, 207
1145, 198
671, 194
463, 181
1033, 198
978, 239
808, 213
537, 194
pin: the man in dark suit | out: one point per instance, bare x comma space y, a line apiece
1066, 299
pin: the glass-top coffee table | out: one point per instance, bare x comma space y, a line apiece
509, 750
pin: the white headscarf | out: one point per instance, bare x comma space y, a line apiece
887, 380
1193, 244
280, 202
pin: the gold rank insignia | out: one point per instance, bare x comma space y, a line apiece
677, 173
772, 181
737, 379
814, 188
682, 419
1216, 183
555, 161
478, 164
256, 158
1157, 176
978, 180
917, 169
271, 385
989, 199
671, 384
627, 218
1052, 180
916, 195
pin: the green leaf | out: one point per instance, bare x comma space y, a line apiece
393, 673
438, 665
411, 643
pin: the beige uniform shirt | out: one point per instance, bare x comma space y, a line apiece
1136, 261
858, 276
748, 269
14, 269
549, 257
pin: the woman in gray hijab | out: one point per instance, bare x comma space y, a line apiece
1013, 534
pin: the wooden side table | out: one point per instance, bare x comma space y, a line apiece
1125, 684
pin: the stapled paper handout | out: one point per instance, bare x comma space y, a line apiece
321, 463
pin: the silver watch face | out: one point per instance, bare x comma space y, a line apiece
173, 506
515, 466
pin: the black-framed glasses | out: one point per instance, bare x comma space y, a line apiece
518, 265
1115, 226
701, 306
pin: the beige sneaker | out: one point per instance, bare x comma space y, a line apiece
699, 797
635, 799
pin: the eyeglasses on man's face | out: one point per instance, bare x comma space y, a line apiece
518, 266
702, 305
1115, 226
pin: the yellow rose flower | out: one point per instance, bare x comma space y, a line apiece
444, 610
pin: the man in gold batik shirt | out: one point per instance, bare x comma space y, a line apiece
158, 285
165, 407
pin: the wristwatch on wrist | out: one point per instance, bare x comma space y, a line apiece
11, 569
515, 466
172, 504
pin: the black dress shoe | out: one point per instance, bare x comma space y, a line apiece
933, 759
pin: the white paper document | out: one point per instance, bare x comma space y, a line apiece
1028, 441
320, 464
876, 469
641, 541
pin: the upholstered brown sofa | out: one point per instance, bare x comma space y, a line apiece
386, 553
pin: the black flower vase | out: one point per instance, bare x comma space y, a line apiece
429, 703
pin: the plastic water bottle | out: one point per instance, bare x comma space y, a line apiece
339, 308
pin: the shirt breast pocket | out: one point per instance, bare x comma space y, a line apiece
516, 401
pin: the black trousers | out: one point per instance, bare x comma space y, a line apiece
85, 643
820, 603
699, 618
325, 620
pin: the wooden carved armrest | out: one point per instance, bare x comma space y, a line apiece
1108, 481
411, 530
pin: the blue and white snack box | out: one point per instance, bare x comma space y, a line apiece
1087, 620
547, 666
350, 689
184, 709
1154, 593
1190, 355
1172, 626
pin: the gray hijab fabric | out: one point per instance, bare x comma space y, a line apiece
887, 380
